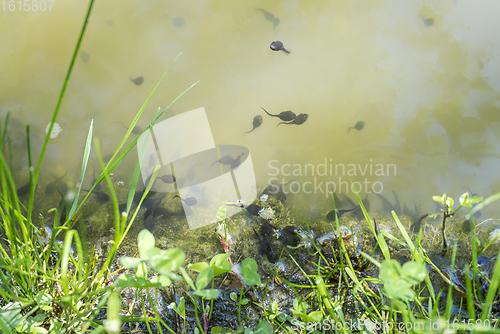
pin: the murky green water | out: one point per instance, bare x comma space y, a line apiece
424, 77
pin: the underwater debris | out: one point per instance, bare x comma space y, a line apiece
56, 130
266, 213
332, 239
494, 235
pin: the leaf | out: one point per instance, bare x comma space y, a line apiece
317, 316
249, 272
244, 301
180, 309
263, 328
198, 267
390, 270
44, 299
11, 314
437, 199
233, 296
141, 271
166, 261
145, 242
464, 199
398, 289
86, 155
207, 294
475, 199
413, 272
221, 264
219, 258
188, 279
449, 202
221, 213
204, 278
130, 262
162, 279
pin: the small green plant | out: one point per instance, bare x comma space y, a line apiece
448, 210
399, 280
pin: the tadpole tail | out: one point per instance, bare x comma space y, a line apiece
284, 123
269, 113
126, 127
258, 237
285, 50
250, 130
349, 130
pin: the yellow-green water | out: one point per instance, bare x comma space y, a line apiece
427, 93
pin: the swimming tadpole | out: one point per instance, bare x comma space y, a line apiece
266, 229
331, 214
167, 178
137, 130
101, 196
358, 126
265, 248
285, 116
278, 46
189, 201
51, 187
84, 56
257, 121
428, 22
269, 17
416, 226
229, 160
137, 81
300, 119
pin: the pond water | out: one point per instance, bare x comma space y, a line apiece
423, 77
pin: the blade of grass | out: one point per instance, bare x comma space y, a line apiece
86, 155
56, 110
449, 300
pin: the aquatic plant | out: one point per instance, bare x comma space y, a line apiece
448, 211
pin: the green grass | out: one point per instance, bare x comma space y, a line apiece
45, 286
